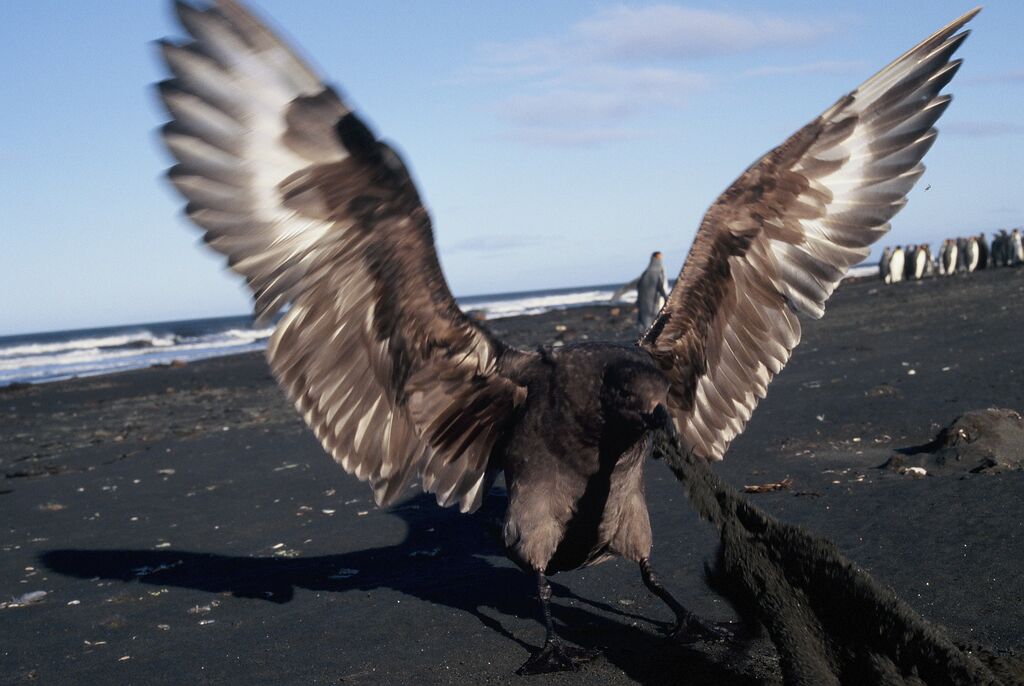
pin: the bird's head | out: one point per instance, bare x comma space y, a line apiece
630, 393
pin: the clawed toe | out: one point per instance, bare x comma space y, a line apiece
556, 657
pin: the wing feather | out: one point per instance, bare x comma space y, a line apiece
783, 235
315, 213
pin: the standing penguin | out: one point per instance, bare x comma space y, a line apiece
961, 254
896, 261
883, 264
1005, 248
920, 261
1001, 249
651, 292
950, 257
1016, 248
929, 264
908, 254
973, 255
983, 257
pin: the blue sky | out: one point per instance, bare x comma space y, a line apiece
554, 147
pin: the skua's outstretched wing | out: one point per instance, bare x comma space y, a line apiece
316, 213
782, 236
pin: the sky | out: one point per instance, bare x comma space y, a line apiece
555, 144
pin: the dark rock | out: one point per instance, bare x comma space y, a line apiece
977, 441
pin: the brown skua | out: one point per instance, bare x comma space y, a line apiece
399, 385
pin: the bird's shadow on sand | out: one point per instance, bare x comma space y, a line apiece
452, 569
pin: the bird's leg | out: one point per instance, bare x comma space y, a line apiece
688, 626
555, 656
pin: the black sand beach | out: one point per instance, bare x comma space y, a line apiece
187, 528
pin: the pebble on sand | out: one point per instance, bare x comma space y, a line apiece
914, 471
24, 599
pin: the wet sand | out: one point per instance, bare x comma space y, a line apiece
187, 528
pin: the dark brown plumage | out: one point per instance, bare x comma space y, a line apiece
398, 385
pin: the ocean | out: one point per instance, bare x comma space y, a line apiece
52, 356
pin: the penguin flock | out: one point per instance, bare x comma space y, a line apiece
956, 256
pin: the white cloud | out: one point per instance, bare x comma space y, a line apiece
600, 93
569, 137
671, 31
606, 72
565, 107
496, 73
655, 84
